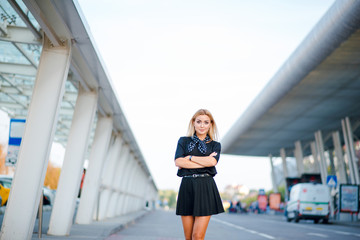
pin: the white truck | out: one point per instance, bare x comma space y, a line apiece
308, 201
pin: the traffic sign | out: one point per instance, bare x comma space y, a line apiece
331, 181
16, 131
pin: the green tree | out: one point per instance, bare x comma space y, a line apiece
168, 197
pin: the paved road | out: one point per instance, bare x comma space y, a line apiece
164, 225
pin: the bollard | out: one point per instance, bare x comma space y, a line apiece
40, 212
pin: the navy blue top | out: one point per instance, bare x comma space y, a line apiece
182, 151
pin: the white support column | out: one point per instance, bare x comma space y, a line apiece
121, 169
124, 181
133, 181
340, 163
354, 159
316, 166
145, 184
284, 165
138, 191
68, 187
285, 171
36, 143
146, 194
115, 156
299, 158
143, 191
90, 192
321, 158
273, 177
348, 154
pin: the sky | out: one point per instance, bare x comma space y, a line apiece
168, 58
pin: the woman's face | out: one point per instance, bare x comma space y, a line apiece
202, 124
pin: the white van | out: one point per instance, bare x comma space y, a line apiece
308, 201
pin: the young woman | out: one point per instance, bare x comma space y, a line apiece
196, 156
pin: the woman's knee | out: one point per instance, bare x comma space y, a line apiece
198, 236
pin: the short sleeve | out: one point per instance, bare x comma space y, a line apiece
180, 150
217, 149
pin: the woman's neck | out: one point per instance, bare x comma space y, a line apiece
201, 137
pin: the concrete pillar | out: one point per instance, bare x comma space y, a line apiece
354, 160
71, 172
115, 152
332, 164
273, 177
348, 154
132, 183
285, 171
139, 191
284, 165
340, 163
321, 158
146, 194
314, 153
121, 199
90, 192
145, 184
20, 214
121, 169
299, 158
142, 191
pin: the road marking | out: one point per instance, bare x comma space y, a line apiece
313, 228
318, 235
341, 232
244, 229
347, 233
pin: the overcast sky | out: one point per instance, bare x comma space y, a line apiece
169, 58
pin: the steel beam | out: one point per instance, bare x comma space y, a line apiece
36, 143
71, 172
19, 69
90, 191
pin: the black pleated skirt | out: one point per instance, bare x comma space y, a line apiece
198, 196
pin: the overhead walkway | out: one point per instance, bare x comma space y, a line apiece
52, 74
311, 107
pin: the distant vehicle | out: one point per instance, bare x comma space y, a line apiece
5, 185
6, 181
309, 201
4, 194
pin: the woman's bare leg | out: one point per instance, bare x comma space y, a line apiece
200, 226
188, 224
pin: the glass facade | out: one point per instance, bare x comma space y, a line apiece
16, 86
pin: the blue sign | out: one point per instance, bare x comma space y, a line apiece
261, 191
331, 181
16, 132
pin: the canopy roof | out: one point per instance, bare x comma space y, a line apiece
314, 89
20, 47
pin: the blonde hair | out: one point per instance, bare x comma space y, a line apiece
213, 132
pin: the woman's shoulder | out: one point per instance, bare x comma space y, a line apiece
184, 139
215, 143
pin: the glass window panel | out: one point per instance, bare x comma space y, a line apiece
10, 54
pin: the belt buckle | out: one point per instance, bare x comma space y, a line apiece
194, 175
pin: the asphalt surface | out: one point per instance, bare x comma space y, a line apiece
165, 225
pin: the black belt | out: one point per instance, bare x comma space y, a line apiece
198, 175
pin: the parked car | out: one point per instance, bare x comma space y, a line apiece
309, 201
5, 185
4, 195
5, 181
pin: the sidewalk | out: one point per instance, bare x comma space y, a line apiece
97, 230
